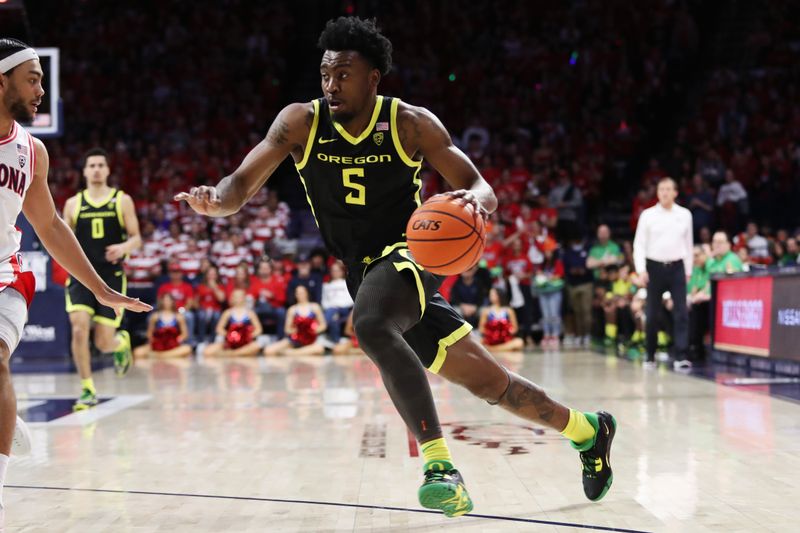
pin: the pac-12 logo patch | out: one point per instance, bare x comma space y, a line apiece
378, 138
22, 161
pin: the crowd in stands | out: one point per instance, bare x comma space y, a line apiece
550, 104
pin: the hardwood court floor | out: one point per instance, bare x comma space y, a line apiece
314, 445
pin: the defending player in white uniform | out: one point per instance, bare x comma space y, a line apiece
23, 187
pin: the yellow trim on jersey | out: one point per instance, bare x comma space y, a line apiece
105, 321
396, 140
71, 307
364, 134
447, 342
119, 210
409, 265
77, 209
99, 204
418, 182
308, 198
386, 251
312, 135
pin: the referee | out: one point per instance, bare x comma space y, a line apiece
662, 255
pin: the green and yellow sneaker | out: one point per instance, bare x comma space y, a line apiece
444, 489
596, 456
123, 355
87, 400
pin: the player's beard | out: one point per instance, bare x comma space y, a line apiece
16, 106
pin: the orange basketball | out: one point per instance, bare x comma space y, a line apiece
445, 236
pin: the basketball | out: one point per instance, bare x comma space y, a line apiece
446, 237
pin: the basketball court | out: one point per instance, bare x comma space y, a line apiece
314, 444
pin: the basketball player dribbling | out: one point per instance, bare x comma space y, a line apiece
23, 187
359, 155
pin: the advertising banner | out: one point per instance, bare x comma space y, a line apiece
743, 315
786, 318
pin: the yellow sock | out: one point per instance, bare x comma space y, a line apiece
578, 429
436, 450
88, 383
611, 331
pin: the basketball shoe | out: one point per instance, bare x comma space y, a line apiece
596, 456
123, 355
21, 445
444, 489
87, 400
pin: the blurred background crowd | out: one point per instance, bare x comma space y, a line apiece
562, 125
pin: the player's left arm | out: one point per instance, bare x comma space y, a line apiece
115, 252
422, 133
59, 240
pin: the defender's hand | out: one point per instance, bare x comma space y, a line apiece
111, 298
115, 252
203, 200
467, 198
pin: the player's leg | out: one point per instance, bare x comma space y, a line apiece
470, 365
13, 432
80, 322
108, 337
387, 305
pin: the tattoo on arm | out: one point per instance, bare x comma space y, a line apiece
278, 132
522, 394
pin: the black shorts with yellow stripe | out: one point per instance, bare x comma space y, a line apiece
440, 325
79, 298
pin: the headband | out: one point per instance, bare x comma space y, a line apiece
17, 58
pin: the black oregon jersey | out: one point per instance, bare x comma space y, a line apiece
362, 190
99, 224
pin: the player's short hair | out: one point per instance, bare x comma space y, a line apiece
10, 46
359, 35
93, 152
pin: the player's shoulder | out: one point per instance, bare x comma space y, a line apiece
298, 113
408, 111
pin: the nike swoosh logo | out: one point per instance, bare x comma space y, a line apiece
323, 141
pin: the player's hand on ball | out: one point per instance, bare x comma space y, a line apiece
203, 199
115, 252
467, 198
111, 298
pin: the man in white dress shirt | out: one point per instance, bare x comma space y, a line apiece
662, 253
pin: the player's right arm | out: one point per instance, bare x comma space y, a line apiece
287, 135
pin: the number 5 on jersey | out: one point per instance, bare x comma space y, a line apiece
359, 196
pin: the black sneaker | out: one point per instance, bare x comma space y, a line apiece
596, 456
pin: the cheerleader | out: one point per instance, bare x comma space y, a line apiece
166, 331
237, 330
304, 322
498, 324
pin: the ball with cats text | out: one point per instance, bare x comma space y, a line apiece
445, 236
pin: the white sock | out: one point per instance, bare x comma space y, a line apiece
3, 468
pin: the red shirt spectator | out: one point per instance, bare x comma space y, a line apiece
142, 268
181, 292
209, 293
269, 285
